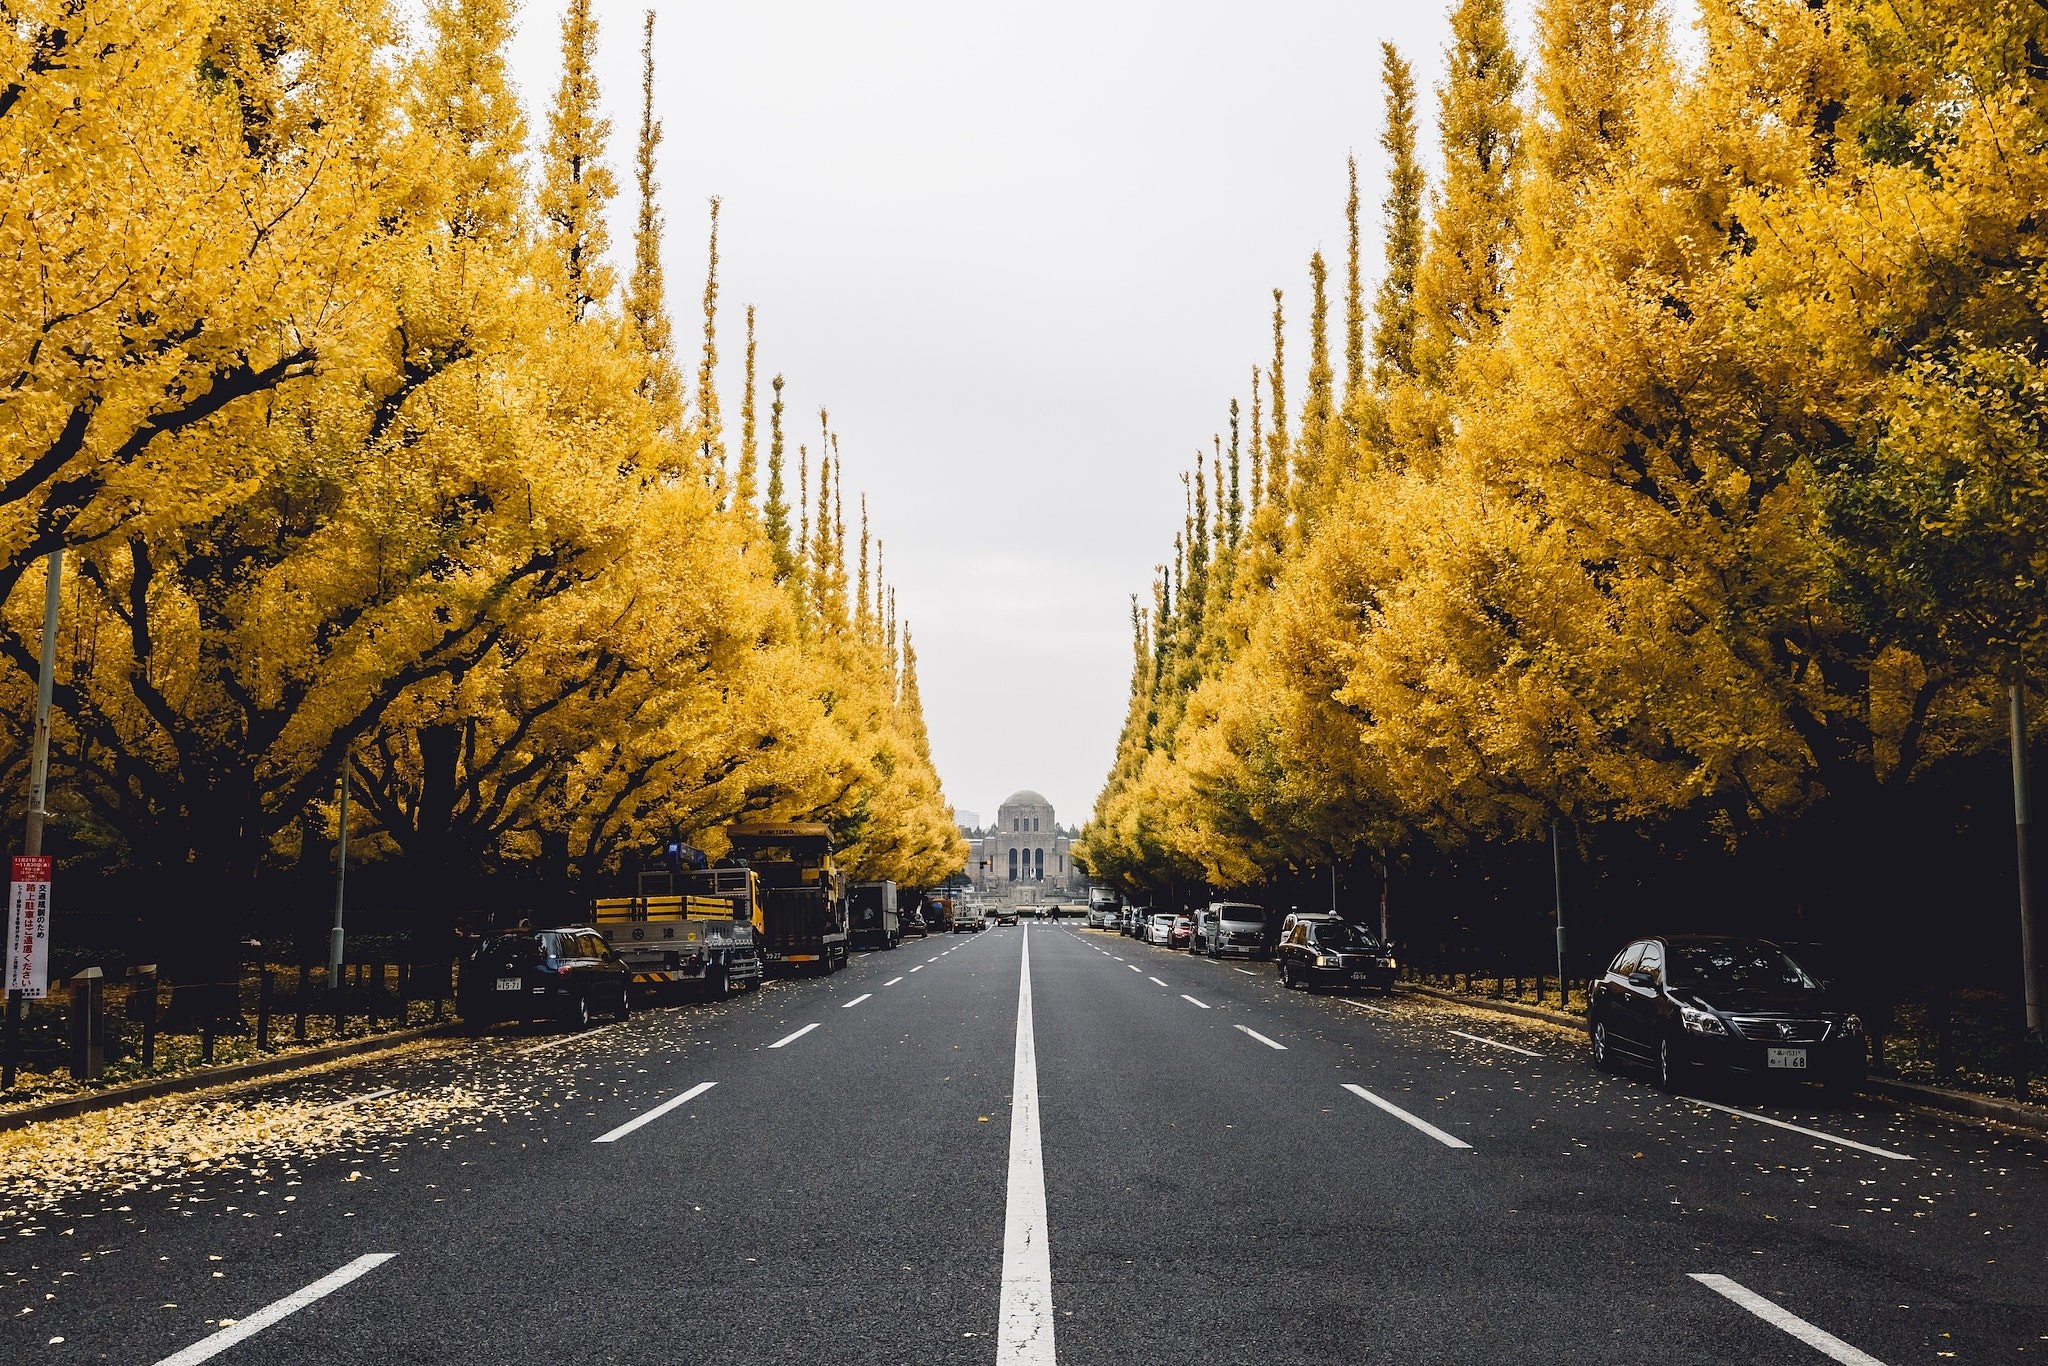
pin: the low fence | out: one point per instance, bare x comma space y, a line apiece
134, 1023
1972, 1037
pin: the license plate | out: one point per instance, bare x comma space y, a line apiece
1360, 976
1794, 1058
508, 984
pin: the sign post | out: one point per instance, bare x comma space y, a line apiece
28, 927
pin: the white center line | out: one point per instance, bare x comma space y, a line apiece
671, 1103
575, 1036
892, 981
1024, 1335
1262, 1038
920, 967
214, 1344
1191, 1000
1475, 1038
792, 1038
1448, 1140
378, 1094
1246, 971
1798, 1129
1819, 1339
1155, 981
857, 1000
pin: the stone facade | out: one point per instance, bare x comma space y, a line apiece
1024, 854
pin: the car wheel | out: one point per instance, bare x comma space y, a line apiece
1286, 975
579, 1011
625, 1002
1603, 1058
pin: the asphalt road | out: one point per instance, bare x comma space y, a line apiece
1206, 1168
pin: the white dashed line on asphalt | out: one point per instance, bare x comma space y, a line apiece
1246, 971
892, 981
1135, 968
857, 1000
1262, 1038
658, 1111
1154, 981
575, 1036
792, 1038
1374, 1009
1778, 1317
1448, 1140
920, 967
1800, 1129
377, 1094
1191, 1000
214, 1344
1477, 1038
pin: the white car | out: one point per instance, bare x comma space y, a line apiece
1159, 929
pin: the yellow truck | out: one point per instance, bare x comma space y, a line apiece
694, 927
803, 919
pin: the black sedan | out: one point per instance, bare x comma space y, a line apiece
1678, 1004
567, 974
1326, 950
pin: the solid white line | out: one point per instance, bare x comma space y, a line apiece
1191, 1000
574, 1036
1024, 1335
892, 981
1246, 971
1448, 1140
658, 1111
378, 1094
214, 1344
1155, 981
1797, 1129
857, 1000
1475, 1038
792, 1038
920, 967
1819, 1339
1262, 1038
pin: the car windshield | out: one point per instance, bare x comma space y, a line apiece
1333, 934
1736, 966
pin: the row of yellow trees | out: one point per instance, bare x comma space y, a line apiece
364, 460
1687, 465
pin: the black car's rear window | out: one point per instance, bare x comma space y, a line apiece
1735, 965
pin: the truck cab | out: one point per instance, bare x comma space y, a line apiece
804, 923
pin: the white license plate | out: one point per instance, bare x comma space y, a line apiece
1360, 976
508, 984
1786, 1057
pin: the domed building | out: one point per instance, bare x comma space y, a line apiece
1024, 853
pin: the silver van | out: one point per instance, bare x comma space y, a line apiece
1235, 927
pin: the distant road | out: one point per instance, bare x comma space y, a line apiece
1205, 1168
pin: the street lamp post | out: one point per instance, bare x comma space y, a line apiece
2030, 962
38, 787
1564, 998
334, 936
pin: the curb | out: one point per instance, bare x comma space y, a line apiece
215, 1076
2013, 1112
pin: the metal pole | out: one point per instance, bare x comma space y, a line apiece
38, 785
1564, 997
1333, 889
2030, 961
340, 889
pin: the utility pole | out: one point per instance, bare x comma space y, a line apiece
2030, 962
38, 786
1564, 996
340, 888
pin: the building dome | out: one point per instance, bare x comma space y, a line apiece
1025, 798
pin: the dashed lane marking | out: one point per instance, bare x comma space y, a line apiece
1135, 968
792, 1038
857, 1000
892, 981
920, 967
576, 1036
1477, 1038
1822, 1341
1246, 971
1191, 1000
214, 1344
377, 1094
1154, 981
1448, 1140
1262, 1038
1801, 1129
671, 1103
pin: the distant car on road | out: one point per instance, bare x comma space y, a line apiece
1329, 951
568, 974
1006, 917
1181, 934
968, 920
1159, 928
1684, 1003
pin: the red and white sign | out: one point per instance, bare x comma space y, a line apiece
28, 927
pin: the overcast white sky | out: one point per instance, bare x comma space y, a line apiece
1024, 254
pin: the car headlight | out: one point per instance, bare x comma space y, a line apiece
1323, 960
1699, 1021
1852, 1025
1389, 964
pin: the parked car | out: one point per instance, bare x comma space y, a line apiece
1237, 927
1181, 934
914, 924
568, 974
1136, 918
1681, 1003
1159, 928
1200, 942
1329, 951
